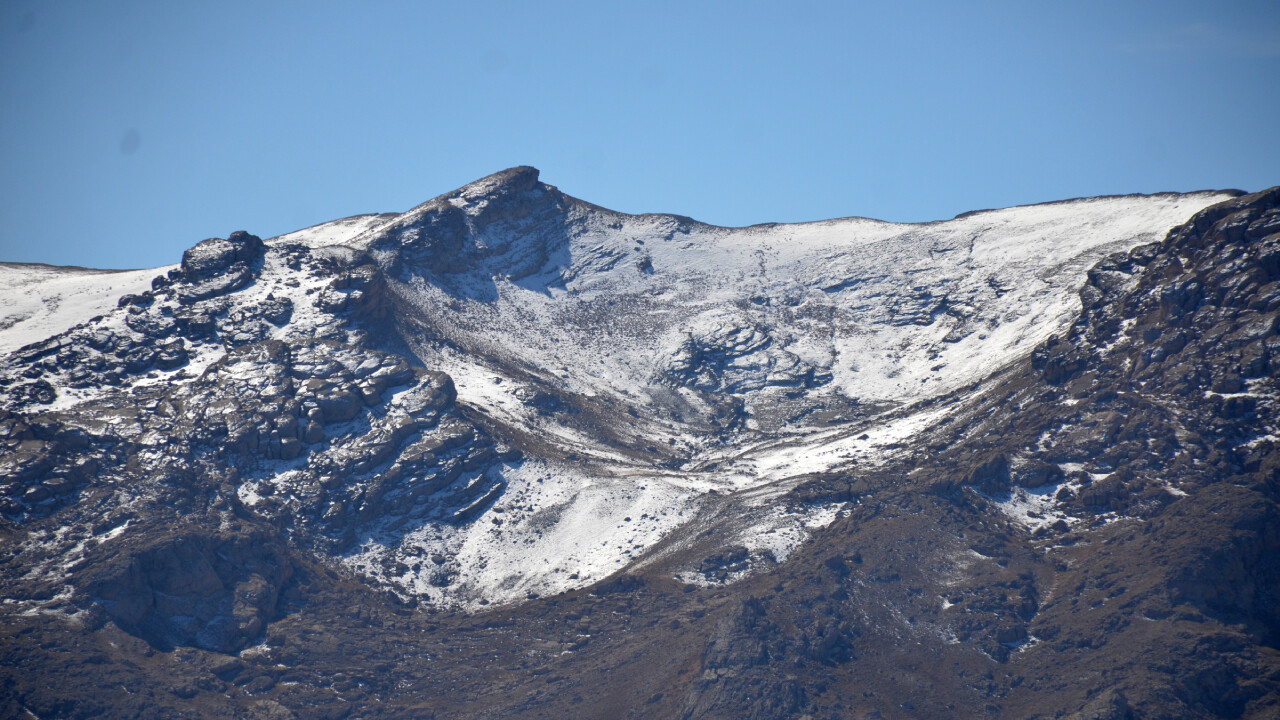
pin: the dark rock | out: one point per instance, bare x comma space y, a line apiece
338, 406
313, 434
991, 476
215, 256
1036, 473
196, 589
235, 277
1109, 705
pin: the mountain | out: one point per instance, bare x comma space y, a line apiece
513, 454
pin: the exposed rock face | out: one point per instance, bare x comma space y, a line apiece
465, 464
192, 416
473, 230
729, 357
216, 256
212, 592
358, 458
216, 266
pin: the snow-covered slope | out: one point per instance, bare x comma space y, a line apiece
855, 309
40, 301
333, 232
748, 357
879, 311
657, 375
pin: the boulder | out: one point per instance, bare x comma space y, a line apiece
215, 256
190, 588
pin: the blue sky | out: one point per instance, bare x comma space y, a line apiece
131, 130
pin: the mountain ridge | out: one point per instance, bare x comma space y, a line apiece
783, 468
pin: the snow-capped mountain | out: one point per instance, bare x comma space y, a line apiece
507, 394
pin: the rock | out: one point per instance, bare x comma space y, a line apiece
142, 300
172, 355
313, 433
463, 231
1110, 704
1036, 473
1057, 362
236, 277
991, 476
215, 256
35, 494
339, 405
226, 668
730, 560
212, 592
1010, 634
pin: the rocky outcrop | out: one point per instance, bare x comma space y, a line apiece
746, 648
733, 356
1108, 705
187, 586
216, 256
506, 223
357, 458
230, 397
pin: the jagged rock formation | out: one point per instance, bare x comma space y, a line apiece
1017, 464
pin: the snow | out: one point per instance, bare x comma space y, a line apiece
820, 451
887, 320
855, 298
334, 232
1034, 508
1036, 256
1023, 644
553, 529
40, 301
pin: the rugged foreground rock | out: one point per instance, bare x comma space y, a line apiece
215, 499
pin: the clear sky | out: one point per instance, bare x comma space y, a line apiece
131, 130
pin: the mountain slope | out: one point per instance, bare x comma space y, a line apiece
507, 394
44, 300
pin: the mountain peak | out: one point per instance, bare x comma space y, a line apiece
512, 180
499, 189
514, 191
505, 217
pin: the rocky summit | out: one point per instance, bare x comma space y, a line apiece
511, 454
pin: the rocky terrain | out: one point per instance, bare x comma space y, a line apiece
510, 454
